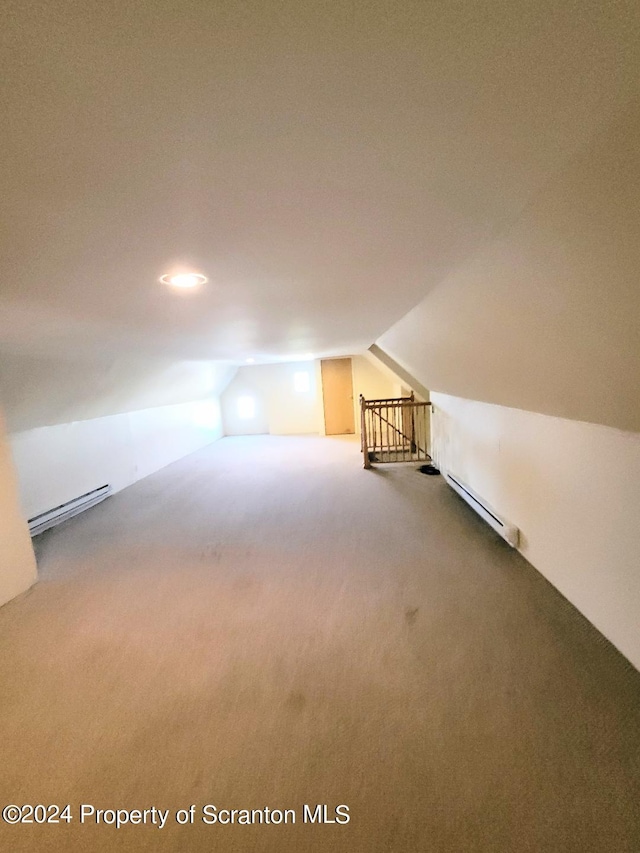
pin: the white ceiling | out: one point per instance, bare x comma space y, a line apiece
325, 164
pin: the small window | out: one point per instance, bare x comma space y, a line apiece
246, 408
301, 381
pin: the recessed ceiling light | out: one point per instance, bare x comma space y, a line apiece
184, 280
250, 360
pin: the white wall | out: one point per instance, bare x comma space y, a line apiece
58, 463
280, 409
17, 561
571, 487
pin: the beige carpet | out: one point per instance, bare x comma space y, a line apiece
266, 624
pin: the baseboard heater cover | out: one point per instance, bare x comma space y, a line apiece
508, 531
40, 523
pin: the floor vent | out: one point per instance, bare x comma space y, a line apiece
42, 522
508, 532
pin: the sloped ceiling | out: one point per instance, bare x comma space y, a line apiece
37, 391
547, 317
326, 165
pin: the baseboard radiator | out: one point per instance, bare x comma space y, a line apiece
508, 531
42, 522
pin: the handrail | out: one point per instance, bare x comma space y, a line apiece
390, 400
393, 404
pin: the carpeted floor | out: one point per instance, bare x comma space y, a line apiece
265, 624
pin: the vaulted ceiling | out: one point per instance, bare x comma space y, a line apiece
325, 164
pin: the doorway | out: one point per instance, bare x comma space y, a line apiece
337, 396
